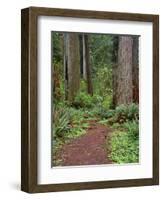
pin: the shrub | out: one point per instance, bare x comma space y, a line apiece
76, 115
61, 122
104, 113
103, 80
68, 123
124, 142
97, 99
83, 100
83, 85
102, 106
133, 112
107, 102
124, 113
124, 148
132, 128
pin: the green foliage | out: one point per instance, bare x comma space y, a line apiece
101, 52
57, 47
77, 131
132, 128
107, 102
103, 113
61, 122
83, 100
124, 113
68, 122
58, 70
103, 80
83, 85
124, 147
103, 122
101, 47
133, 112
101, 108
97, 99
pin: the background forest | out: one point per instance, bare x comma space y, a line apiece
95, 89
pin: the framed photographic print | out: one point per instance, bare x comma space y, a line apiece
90, 99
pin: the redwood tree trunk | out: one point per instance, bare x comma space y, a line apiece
86, 64
84, 58
115, 65
65, 59
135, 72
73, 65
81, 55
122, 72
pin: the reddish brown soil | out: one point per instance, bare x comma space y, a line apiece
88, 149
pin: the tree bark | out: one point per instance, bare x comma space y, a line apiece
122, 72
115, 65
84, 58
73, 66
65, 59
86, 64
81, 54
135, 70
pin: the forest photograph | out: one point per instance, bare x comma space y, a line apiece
95, 99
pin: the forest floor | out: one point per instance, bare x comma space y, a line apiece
88, 149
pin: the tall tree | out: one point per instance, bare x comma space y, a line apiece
86, 64
73, 65
123, 81
81, 47
135, 72
84, 57
65, 59
115, 66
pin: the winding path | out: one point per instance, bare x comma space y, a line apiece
88, 149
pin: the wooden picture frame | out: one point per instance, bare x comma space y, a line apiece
29, 110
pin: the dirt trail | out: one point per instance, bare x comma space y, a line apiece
88, 149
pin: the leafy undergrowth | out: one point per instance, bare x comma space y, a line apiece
124, 149
123, 145
72, 121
